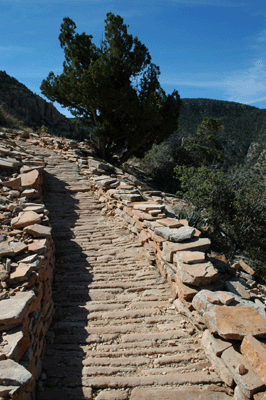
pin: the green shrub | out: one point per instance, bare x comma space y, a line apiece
234, 206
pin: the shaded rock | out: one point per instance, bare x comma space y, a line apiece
14, 374
13, 310
15, 343
237, 287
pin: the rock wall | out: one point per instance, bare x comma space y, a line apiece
26, 270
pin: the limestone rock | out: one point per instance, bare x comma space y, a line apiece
235, 322
255, 351
175, 234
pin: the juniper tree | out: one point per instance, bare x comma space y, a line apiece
114, 89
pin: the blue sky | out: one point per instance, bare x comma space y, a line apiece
212, 49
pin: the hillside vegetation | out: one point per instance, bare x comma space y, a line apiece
21, 108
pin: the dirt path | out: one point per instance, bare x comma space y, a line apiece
115, 334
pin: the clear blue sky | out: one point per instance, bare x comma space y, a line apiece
212, 49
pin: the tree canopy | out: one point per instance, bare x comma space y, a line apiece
114, 89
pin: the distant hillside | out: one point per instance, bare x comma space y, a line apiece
31, 110
244, 127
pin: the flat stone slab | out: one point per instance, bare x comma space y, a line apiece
11, 249
24, 219
255, 351
191, 257
30, 179
12, 183
175, 234
13, 310
166, 393
197, 274
171, 222
38, 231
235, 322
194, 244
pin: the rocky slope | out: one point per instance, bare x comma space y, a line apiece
32, 110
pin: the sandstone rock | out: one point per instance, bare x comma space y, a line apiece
24, 219
260, 396
38, 246
171, 222
38, 230
214, 348
255, 351
185, 292
12, 183
13, 310
217, 345
11, 249
239, 395
197, 274
250, 383
235, 322
190, 257
174, 393
175, 234
246, 268
21, 274
30, 180
169, 248
237, 287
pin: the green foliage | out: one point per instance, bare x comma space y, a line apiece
204, 148
114, 89
233, 204
9, 121
41, 129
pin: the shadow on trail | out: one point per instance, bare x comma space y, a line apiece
62, 362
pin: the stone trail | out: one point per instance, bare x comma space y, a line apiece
115, 335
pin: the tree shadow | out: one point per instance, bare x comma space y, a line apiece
62, 362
